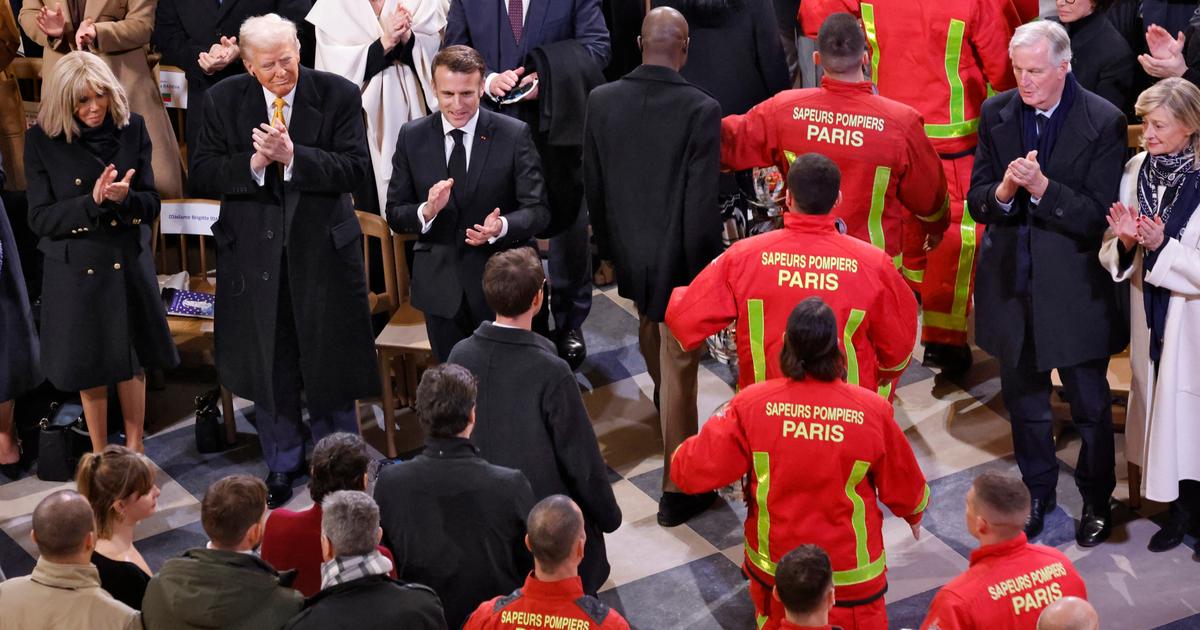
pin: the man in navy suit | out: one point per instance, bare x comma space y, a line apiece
469, 182
505, 32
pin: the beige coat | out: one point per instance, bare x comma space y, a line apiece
12, 113
123, 29
63, 597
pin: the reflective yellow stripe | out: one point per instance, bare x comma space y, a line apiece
937, 216
953, 130
789, 156
760, 620
956, 319
864, 573
954, 42
924, 501
762, 476
916, 275
898, 367
945, 321
852, 324
883, 176
858, 520
868, 18
758, 356
885, 390
757, 559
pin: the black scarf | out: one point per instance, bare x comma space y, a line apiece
100, 141
1178, 174
1044, 145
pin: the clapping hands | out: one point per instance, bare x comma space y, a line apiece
484, 233
397, 29
1132, 228
1023, 172
1166, 53
219, 55
85, 35
107, 188
271, 144
53, 22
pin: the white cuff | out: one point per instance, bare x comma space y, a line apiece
425, 225
503, 231
259, 175
287, 170
487, 86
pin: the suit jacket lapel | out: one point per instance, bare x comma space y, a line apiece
532, 31
1007, 134
1076, 134
479, 152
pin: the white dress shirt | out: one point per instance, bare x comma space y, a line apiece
1007, 207
260, 175
468, 142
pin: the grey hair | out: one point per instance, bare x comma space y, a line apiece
1051, 32
263, 32
349, 519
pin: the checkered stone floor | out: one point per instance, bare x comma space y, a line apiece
689, 576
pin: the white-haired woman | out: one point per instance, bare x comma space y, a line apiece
1154, 242
386, 47
118, 31
92, 201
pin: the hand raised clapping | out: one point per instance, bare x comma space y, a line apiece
53, 22
107, 188
219, 55
490, 229
272, 144
85, 35
397, 29
1123, 221
1150, 232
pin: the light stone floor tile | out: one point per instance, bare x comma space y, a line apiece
626, 425
736, 554
916, 566
642, 548
635, 504
951, 433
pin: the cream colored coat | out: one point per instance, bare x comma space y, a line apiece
123, 29
1162, 426
64, 597
345, 31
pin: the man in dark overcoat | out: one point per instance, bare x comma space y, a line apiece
1046, 171
291, 304
654, 212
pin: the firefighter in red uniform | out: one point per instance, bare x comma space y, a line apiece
939, 58
818, 456
1010, 581
552, 596
804, 585
887, 163
758, 280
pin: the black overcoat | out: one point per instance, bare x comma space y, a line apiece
100, 297
1102, 60
1073, 304
311, 218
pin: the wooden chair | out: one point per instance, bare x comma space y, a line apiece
376, 227
403, 346
193, 335
1133, 137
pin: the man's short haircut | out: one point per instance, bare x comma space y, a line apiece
841, 43
460, 59
511, 279
264, 32
555, 525
1049, 31
814, 182
231, 506
1004, 496
445, 399
803, 576
339, 462
61, 523
349, 519
810, 343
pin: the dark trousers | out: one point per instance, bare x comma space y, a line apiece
445, 332
279, 421
570, 264
1027, 393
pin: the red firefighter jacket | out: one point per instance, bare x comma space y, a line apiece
886, 161
818, 458
1006, 588
937, 57
759, 280
539, 604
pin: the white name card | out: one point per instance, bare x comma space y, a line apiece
172, 84
189, 216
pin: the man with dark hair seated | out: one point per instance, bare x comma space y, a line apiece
63, 592
530, 413
454, 522
224, 585
553, 592
758, 280
804, 585
356, 591
1032, 576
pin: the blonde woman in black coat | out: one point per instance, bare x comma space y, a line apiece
92, 201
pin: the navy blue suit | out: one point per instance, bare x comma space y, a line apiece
483, 25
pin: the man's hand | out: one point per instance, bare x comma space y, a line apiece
483, 233
273, 142
1027, 174
85, 35
439, 196
53, 22
1166, 54
933, 240
1008, 187
505, 81
219, 55
533, 94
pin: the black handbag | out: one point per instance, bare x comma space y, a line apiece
210, 431
62, 439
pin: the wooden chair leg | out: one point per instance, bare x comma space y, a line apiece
389, 405
1135, 485
227, 413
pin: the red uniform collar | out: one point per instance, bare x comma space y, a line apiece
809, 222
999, 549
847, 86
569, 589
787, 625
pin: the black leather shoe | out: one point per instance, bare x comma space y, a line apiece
676, 508
1172, 532
572, 348
1037, 516
279, 488
953, 360
1094, 526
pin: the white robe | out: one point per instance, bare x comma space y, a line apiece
1162, 426
345, 31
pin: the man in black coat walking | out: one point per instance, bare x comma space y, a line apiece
1046, 171
654, 214
531, 415
291, 304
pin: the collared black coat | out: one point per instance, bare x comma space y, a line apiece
1073, 303
456, 523
1102, 60
651, 158
529, 415
311, 218
374, 602
100, 297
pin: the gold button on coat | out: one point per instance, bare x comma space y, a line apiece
78, 181
117, 266
91, 272
113, 223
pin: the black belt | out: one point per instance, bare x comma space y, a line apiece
955, 156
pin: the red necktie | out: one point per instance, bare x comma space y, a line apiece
515, 19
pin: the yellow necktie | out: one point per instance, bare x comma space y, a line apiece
278, 115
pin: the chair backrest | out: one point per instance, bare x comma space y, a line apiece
1133, 137
403, 274
375, 227
28, 69
188, 221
